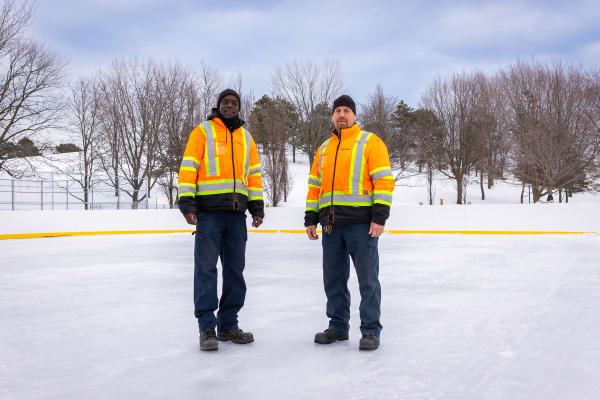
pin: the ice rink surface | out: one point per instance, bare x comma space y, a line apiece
464, 317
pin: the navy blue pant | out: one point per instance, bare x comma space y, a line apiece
345, 241
219, 234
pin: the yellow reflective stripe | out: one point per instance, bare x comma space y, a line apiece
255, 198
312, 209
353, 158
255, 189
387, 203
242, 191
344, 203
206, 153
192, 159
187, 169
256, 174
246, 157
382, 192
255, 166
315, 186
362, 164
316, 178
185, 194
379, 169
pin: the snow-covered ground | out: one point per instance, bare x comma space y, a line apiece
465, 317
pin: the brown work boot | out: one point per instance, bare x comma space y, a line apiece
329, 336
236, 336
208, 340
369, 342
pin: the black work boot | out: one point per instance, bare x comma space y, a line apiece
329, 336
236, 336
369, 342
208, 340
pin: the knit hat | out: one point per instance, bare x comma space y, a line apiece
344, 100
227, 92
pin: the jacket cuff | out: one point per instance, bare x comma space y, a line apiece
380, 213
311, 218
187, 205
256, 208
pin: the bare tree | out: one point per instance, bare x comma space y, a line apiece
381, 116
180, 92
310, 88
452, 102
210, 83
110, 146
30, 76
84, 116
138, 108
557, 142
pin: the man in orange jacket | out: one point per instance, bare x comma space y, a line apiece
219, 179
350, 192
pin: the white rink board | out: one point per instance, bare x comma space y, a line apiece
494, 217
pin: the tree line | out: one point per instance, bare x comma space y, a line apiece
534, 122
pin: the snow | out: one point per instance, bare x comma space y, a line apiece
464, 317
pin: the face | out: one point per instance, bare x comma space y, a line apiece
229, 106
343, 117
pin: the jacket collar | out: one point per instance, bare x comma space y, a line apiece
353, 130
233, 124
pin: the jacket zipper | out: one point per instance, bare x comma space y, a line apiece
331, 218
235, 200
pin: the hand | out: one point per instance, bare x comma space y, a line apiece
191, 218
376, 230
256, 221
311, 232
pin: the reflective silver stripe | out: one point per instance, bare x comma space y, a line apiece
321, 154
254, 171
255, 194
184, 188
358, 151
382, 196
190, 164
210, 150
209, 187
381, 174
312, 206
247, 143
345, 198
312, 181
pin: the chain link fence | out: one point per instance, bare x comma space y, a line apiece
62, 194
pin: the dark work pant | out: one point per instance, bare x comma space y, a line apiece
345, 241
219, 234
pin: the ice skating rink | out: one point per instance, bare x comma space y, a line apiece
464, 317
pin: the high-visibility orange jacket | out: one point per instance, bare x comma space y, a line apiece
220, 171
350, 179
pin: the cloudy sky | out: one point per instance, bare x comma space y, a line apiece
400, 45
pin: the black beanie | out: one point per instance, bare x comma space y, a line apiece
225, 93
344, 100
